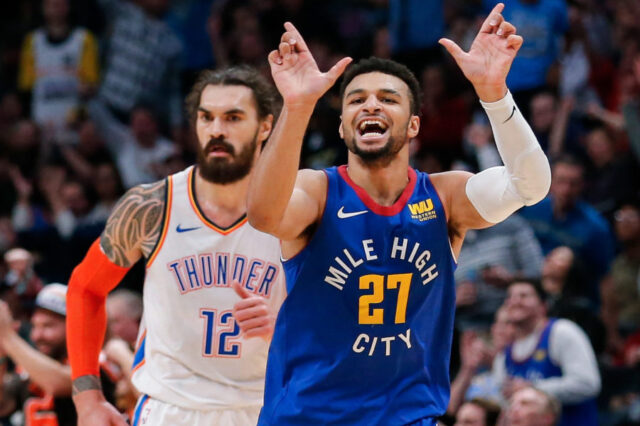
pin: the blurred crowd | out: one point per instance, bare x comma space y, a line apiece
91, 104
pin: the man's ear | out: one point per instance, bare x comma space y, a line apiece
414, 127
266, 126
340, 129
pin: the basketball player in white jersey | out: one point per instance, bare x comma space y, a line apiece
198, 361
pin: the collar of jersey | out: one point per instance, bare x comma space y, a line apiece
376, 208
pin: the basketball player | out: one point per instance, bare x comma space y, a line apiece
364, 336
195, 363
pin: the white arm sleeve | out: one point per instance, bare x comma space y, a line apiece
570, 349
525, 177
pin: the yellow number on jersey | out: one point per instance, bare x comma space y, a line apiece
366, 315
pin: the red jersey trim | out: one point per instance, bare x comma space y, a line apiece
376, 208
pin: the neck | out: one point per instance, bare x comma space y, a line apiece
527, 327
223, 204
383, 182
57, 29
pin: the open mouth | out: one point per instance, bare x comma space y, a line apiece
372, 128
219, 149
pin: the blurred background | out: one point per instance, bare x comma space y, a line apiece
91, 104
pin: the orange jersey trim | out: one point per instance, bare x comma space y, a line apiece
165, 222
203, 218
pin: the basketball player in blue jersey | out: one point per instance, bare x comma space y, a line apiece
364, 335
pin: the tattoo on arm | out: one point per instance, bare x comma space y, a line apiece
83, 383
135, 223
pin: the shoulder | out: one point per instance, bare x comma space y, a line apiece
314, 182
566, 330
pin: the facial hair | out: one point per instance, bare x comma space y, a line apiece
379, 157
224, 170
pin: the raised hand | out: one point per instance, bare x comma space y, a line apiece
296, 73
252, 314
487, 63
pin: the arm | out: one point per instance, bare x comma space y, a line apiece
571, 350
131, 232
476, 201
283, 201
53, 377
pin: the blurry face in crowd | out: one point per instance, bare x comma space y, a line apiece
523, 304
106, 182
627, 224
24, 136
75, 198
529, 407
555, 269
121, 323
543, 110
48, 334
376, 117
89, 139
502, 331
144, 127
566, 185
470, 414
55, 11
229, 132
600, 147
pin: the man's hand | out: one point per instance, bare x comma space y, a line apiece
252, 314
487, 63
94, 410
296, 73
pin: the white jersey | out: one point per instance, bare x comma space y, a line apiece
57, 87
190, 353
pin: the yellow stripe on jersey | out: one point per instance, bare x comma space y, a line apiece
165, 223
88, 71
27, 69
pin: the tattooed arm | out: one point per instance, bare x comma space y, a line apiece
131, 232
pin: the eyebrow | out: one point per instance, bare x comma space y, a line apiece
229, 111
388, 91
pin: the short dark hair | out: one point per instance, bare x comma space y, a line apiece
491, 410
569, 160
386, 66
263, 91
537, 286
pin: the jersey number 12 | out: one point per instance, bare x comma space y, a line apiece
219, 331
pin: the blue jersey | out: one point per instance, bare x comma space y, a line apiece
540, 366
364, 336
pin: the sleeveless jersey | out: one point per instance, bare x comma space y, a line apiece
190, 352
364, 336
57, 84
540, 366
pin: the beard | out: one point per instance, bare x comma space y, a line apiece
379, 157
226, 170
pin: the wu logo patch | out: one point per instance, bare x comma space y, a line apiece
423, 210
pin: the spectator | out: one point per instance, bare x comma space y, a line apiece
489, 260
541, 23
478, 412
142, 62
562, 219
554, 355
45, 365
476, 355
124, 311
532, 407
613, 178
58, 66
139, 149
21, 284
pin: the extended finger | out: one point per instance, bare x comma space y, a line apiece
453, 49
493, 20
337, 70
248, 303
297, 37
506, 29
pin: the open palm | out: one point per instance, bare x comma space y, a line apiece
296, 73
488, 61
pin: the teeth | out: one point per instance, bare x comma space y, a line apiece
372, 122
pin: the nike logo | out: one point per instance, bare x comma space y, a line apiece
343, 215
178, 229
513, 111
